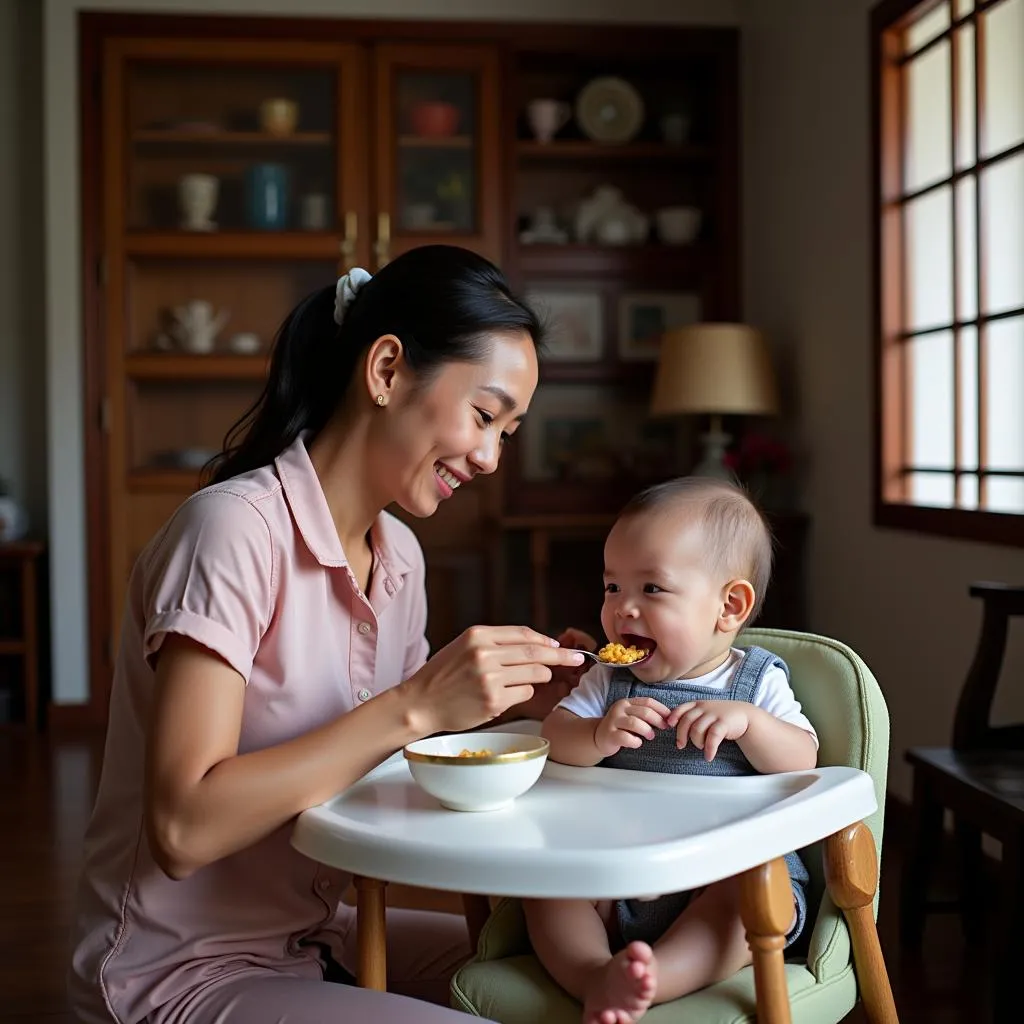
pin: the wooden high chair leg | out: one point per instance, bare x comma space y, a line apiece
851, 874
371, 933
766, 905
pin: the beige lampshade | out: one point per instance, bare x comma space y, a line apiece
714, 368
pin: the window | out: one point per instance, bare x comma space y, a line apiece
949, 147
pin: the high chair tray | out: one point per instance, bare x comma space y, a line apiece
593, 833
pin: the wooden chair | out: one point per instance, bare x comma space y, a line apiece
981, 780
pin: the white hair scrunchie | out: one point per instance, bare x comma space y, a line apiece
348, 287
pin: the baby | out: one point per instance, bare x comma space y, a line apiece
686, 567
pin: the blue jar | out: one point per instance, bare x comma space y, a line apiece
267, 195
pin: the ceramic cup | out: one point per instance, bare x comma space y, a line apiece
197, 197
675, 129
547, 118
313, 212
279, 116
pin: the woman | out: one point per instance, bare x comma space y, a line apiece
273, 652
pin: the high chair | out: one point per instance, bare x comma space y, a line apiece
505, 982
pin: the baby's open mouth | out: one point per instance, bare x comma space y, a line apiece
643, 643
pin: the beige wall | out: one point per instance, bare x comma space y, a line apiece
22, 322
899, 599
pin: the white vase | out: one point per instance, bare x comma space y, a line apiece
197, 197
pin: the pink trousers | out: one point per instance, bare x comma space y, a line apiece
424, 951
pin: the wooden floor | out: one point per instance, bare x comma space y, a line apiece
46, 791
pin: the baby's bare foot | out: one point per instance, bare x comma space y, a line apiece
624, 990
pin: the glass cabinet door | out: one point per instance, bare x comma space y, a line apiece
438, 164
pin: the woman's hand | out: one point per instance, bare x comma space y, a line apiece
481, 674
628, 722
563, 680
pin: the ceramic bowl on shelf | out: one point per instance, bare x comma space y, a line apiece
477, 771
678, 225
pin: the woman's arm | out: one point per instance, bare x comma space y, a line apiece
205, 801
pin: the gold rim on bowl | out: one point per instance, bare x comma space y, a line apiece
511, 757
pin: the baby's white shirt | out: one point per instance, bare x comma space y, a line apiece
774, 695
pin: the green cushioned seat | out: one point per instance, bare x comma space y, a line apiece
504, 982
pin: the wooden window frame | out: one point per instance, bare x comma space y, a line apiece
888, 19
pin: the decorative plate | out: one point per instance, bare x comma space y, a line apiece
609, 110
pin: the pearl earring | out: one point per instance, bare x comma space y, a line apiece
380, 399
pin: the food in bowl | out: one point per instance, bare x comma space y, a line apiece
620, 654
477, 771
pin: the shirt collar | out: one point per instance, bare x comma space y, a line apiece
312, 515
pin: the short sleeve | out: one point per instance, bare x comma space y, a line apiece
776, 696
210, 577
588, 698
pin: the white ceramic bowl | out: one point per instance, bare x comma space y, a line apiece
484, 783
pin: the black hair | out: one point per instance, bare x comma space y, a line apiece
440, 301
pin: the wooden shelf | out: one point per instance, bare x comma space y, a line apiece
301, 245
627, 261
163, 481
190, 138
583, 149
12, 647
187, 366
435, 141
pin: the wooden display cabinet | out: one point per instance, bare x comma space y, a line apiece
383, 135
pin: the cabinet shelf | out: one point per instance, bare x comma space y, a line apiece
627, 261
221, 138
435, 141
584, 150
186, 366
301, 245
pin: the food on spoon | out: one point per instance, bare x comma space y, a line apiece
620, 654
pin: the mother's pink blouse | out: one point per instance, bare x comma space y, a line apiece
253, 570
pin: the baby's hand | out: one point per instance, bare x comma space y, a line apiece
706, 723
628, 722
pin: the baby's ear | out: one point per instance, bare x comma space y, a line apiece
738, 599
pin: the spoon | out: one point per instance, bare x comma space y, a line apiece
615, 664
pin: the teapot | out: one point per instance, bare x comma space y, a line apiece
195, 326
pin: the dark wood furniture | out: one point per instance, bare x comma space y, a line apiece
20, 627
980, 779
165, 96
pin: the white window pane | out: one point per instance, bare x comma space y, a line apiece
962, 7
968, 492
930, 364
929, 255
1004, 494
928, 118
1003, 232
928, 27
967, 248
965, 97
968, 384
1003, 75
934, 489
1004, 383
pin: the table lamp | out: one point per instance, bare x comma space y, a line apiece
715, 369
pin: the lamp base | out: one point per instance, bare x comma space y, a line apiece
712, 461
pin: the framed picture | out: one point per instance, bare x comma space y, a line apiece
581, 433
645, 316
576, 323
